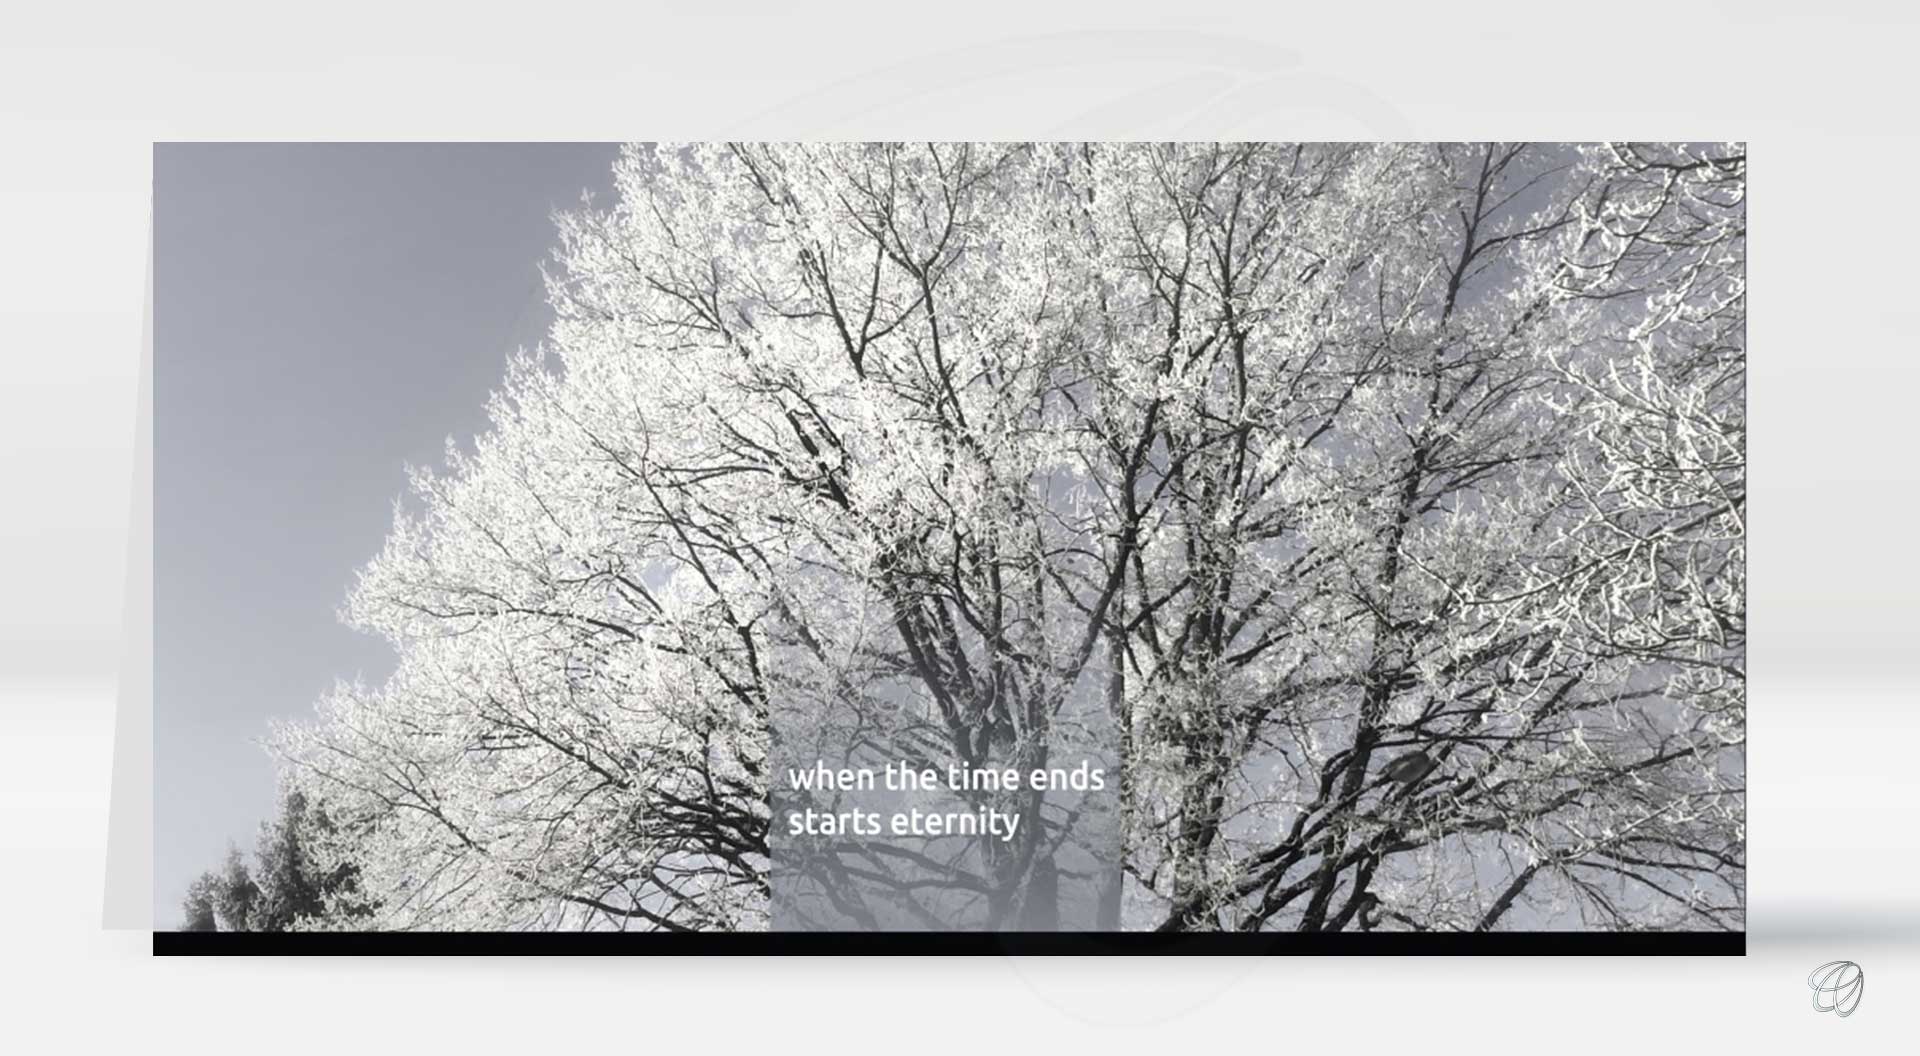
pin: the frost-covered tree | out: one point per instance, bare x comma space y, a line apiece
198, 910
1468, 538
305, 874
1373, 513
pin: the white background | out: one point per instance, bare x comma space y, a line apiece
1823, 96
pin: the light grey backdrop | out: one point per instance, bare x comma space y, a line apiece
1818, 90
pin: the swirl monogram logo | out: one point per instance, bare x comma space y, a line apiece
1838, 987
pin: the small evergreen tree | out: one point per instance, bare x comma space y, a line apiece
288, 883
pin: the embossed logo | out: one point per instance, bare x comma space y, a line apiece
1837, 987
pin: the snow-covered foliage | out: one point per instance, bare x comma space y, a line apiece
1290, 458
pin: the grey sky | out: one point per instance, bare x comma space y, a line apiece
324, 316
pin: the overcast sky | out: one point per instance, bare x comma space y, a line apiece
324, 316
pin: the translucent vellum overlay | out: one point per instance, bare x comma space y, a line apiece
128, 888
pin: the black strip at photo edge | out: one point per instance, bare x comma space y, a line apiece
827, 943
